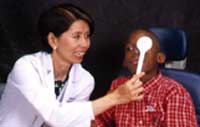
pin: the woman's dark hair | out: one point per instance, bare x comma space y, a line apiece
58, 19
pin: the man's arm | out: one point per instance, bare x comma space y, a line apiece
180, 111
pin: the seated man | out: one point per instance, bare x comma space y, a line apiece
165, 104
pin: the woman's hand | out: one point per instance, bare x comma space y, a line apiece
131, 90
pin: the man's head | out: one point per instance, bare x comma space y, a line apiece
153, 56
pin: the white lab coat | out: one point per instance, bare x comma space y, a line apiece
29, 98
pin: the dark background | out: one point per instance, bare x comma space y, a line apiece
114, 19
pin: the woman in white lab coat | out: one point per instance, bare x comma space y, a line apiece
50, 87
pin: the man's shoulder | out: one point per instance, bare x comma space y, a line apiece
119, 81
172, 86
168, 80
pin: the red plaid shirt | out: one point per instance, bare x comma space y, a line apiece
166, 104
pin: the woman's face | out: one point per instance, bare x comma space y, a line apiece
72, 45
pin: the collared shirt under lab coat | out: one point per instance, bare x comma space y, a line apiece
29, 98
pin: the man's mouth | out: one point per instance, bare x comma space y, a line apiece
135, 62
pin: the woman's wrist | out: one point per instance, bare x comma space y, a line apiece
112, 98
101, 104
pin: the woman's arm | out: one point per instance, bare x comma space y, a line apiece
28, 83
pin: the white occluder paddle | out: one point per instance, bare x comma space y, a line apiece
143, 44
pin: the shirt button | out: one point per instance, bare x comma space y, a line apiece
140, 122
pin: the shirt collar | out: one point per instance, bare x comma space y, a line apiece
153, 82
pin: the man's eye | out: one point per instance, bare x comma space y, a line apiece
129, 49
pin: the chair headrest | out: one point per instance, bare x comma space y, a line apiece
172, 42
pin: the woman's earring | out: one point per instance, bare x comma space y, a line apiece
54, 48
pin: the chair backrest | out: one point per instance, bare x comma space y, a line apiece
172, 42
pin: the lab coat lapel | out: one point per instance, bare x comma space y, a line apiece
48, 72
74, 77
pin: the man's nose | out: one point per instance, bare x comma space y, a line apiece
135, 53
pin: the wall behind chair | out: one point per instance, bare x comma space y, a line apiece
114, 19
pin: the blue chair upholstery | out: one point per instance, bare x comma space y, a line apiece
174, 44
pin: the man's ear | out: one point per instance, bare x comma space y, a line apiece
52, 40
161, 58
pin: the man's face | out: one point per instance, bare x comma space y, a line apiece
131, 59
